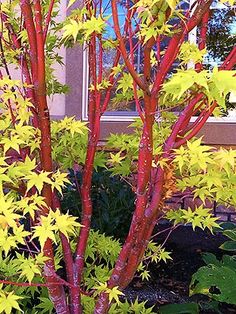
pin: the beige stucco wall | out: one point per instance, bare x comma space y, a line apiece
57, 102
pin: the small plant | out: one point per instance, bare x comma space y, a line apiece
110, 195
218, 279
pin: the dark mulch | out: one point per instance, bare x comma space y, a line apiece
169, 282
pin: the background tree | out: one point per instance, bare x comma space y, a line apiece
221, 33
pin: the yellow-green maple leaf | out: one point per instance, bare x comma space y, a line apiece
28, 267
65, 223
72, 29
116, 158
31, 204
58, 180
7, 242
9, 302
46, 230
114, 294
12, 142
20, 234
38, 180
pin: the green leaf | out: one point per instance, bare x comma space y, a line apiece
114, 294
72, 29
210, 258
38, 180
218, 283
230, 234
46, 230
227, 225
116, 158
96, 25
187, 308
45, 306
8, 302
125, 83
229, 246
145, 275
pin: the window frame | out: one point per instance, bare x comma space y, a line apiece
217, 131
129, 116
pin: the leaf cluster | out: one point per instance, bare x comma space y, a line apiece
112, 198
209, 172
218, 278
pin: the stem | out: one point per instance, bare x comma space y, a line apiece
16, 45
48, 20
122, 47
93, 137
32, 284
27, 13
202, 37
37, 58
147, 211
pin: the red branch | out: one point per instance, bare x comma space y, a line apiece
123, 50
202, 36
33, 25
48, 20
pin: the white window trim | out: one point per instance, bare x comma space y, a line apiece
127, 116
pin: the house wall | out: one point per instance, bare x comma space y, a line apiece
57, 102
74, 74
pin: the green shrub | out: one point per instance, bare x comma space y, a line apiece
113, 202
218, 278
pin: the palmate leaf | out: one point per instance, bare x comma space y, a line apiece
100, 160
123, 169
12, 142
59, 180
190, 52
31, 204
224, 80
199, 217
29, 270
8, 302
65, 223
125, 83
46, 230
7, 242
38, 180
96, 25
29, 267
45, 306
114, 294
72, 29
225, 157
181, 81
116, 158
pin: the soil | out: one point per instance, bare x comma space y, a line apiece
169, 283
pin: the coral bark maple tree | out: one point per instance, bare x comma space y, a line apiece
160, 28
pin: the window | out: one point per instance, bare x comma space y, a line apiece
118, 120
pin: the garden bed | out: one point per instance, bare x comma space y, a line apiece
169, 283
